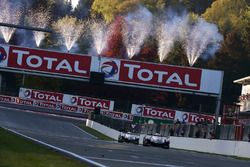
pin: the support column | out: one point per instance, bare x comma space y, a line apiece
218, 103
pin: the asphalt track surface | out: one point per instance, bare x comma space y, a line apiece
63, 133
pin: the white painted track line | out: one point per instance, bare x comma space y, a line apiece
58, 149
132, 162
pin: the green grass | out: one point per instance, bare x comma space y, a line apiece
16, 151
95, 133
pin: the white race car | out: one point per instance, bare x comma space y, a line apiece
156, 140
129, 137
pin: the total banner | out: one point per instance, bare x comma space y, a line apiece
68, 101
169, 114
27, 102
44, 61
193, 118
118, 115
8, 99
117, 71
152, 112
43, 104
40, 95
161, 76
88, 102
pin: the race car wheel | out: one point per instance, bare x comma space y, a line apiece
166, 146
136, 141
120, 139
145, 142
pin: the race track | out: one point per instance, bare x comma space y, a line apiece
63, 133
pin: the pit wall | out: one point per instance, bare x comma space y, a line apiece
224, 147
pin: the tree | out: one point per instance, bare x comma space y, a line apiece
115, 46
233, 20
108, 8
111, 8
226, 13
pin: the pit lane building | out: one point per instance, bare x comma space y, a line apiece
244, 99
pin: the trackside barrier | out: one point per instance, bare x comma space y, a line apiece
52, 106
223, 147
103, 129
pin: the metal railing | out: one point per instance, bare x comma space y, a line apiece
205, 131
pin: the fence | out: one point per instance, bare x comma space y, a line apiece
207, 131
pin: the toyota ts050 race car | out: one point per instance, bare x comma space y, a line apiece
156, 140
129, 137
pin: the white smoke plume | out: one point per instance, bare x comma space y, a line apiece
11, 14
39, 18
171, 28
99, 33
70, 30
136, 29
74, 3
203, 41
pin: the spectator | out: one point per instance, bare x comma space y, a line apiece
183, 128
177, 127
198, 133
204, 128
171, 131
211, 133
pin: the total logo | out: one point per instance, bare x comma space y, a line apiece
73, 100
109, 68
3, 54
185, 117
139, 110
27, 93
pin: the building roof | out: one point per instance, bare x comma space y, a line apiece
243, 81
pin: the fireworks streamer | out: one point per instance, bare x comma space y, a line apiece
136, 29
169, 30
11, 14
74, 3
39, 18
99, 33
203, 40
70, 30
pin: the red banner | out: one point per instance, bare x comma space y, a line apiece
68, 108
49, 61
83, 110
88, 102
160, 113
164, 113
195, 118
41, 95
118, 115
7, 99
160, 75
25, 102
93, 102
44, 104
121, 72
